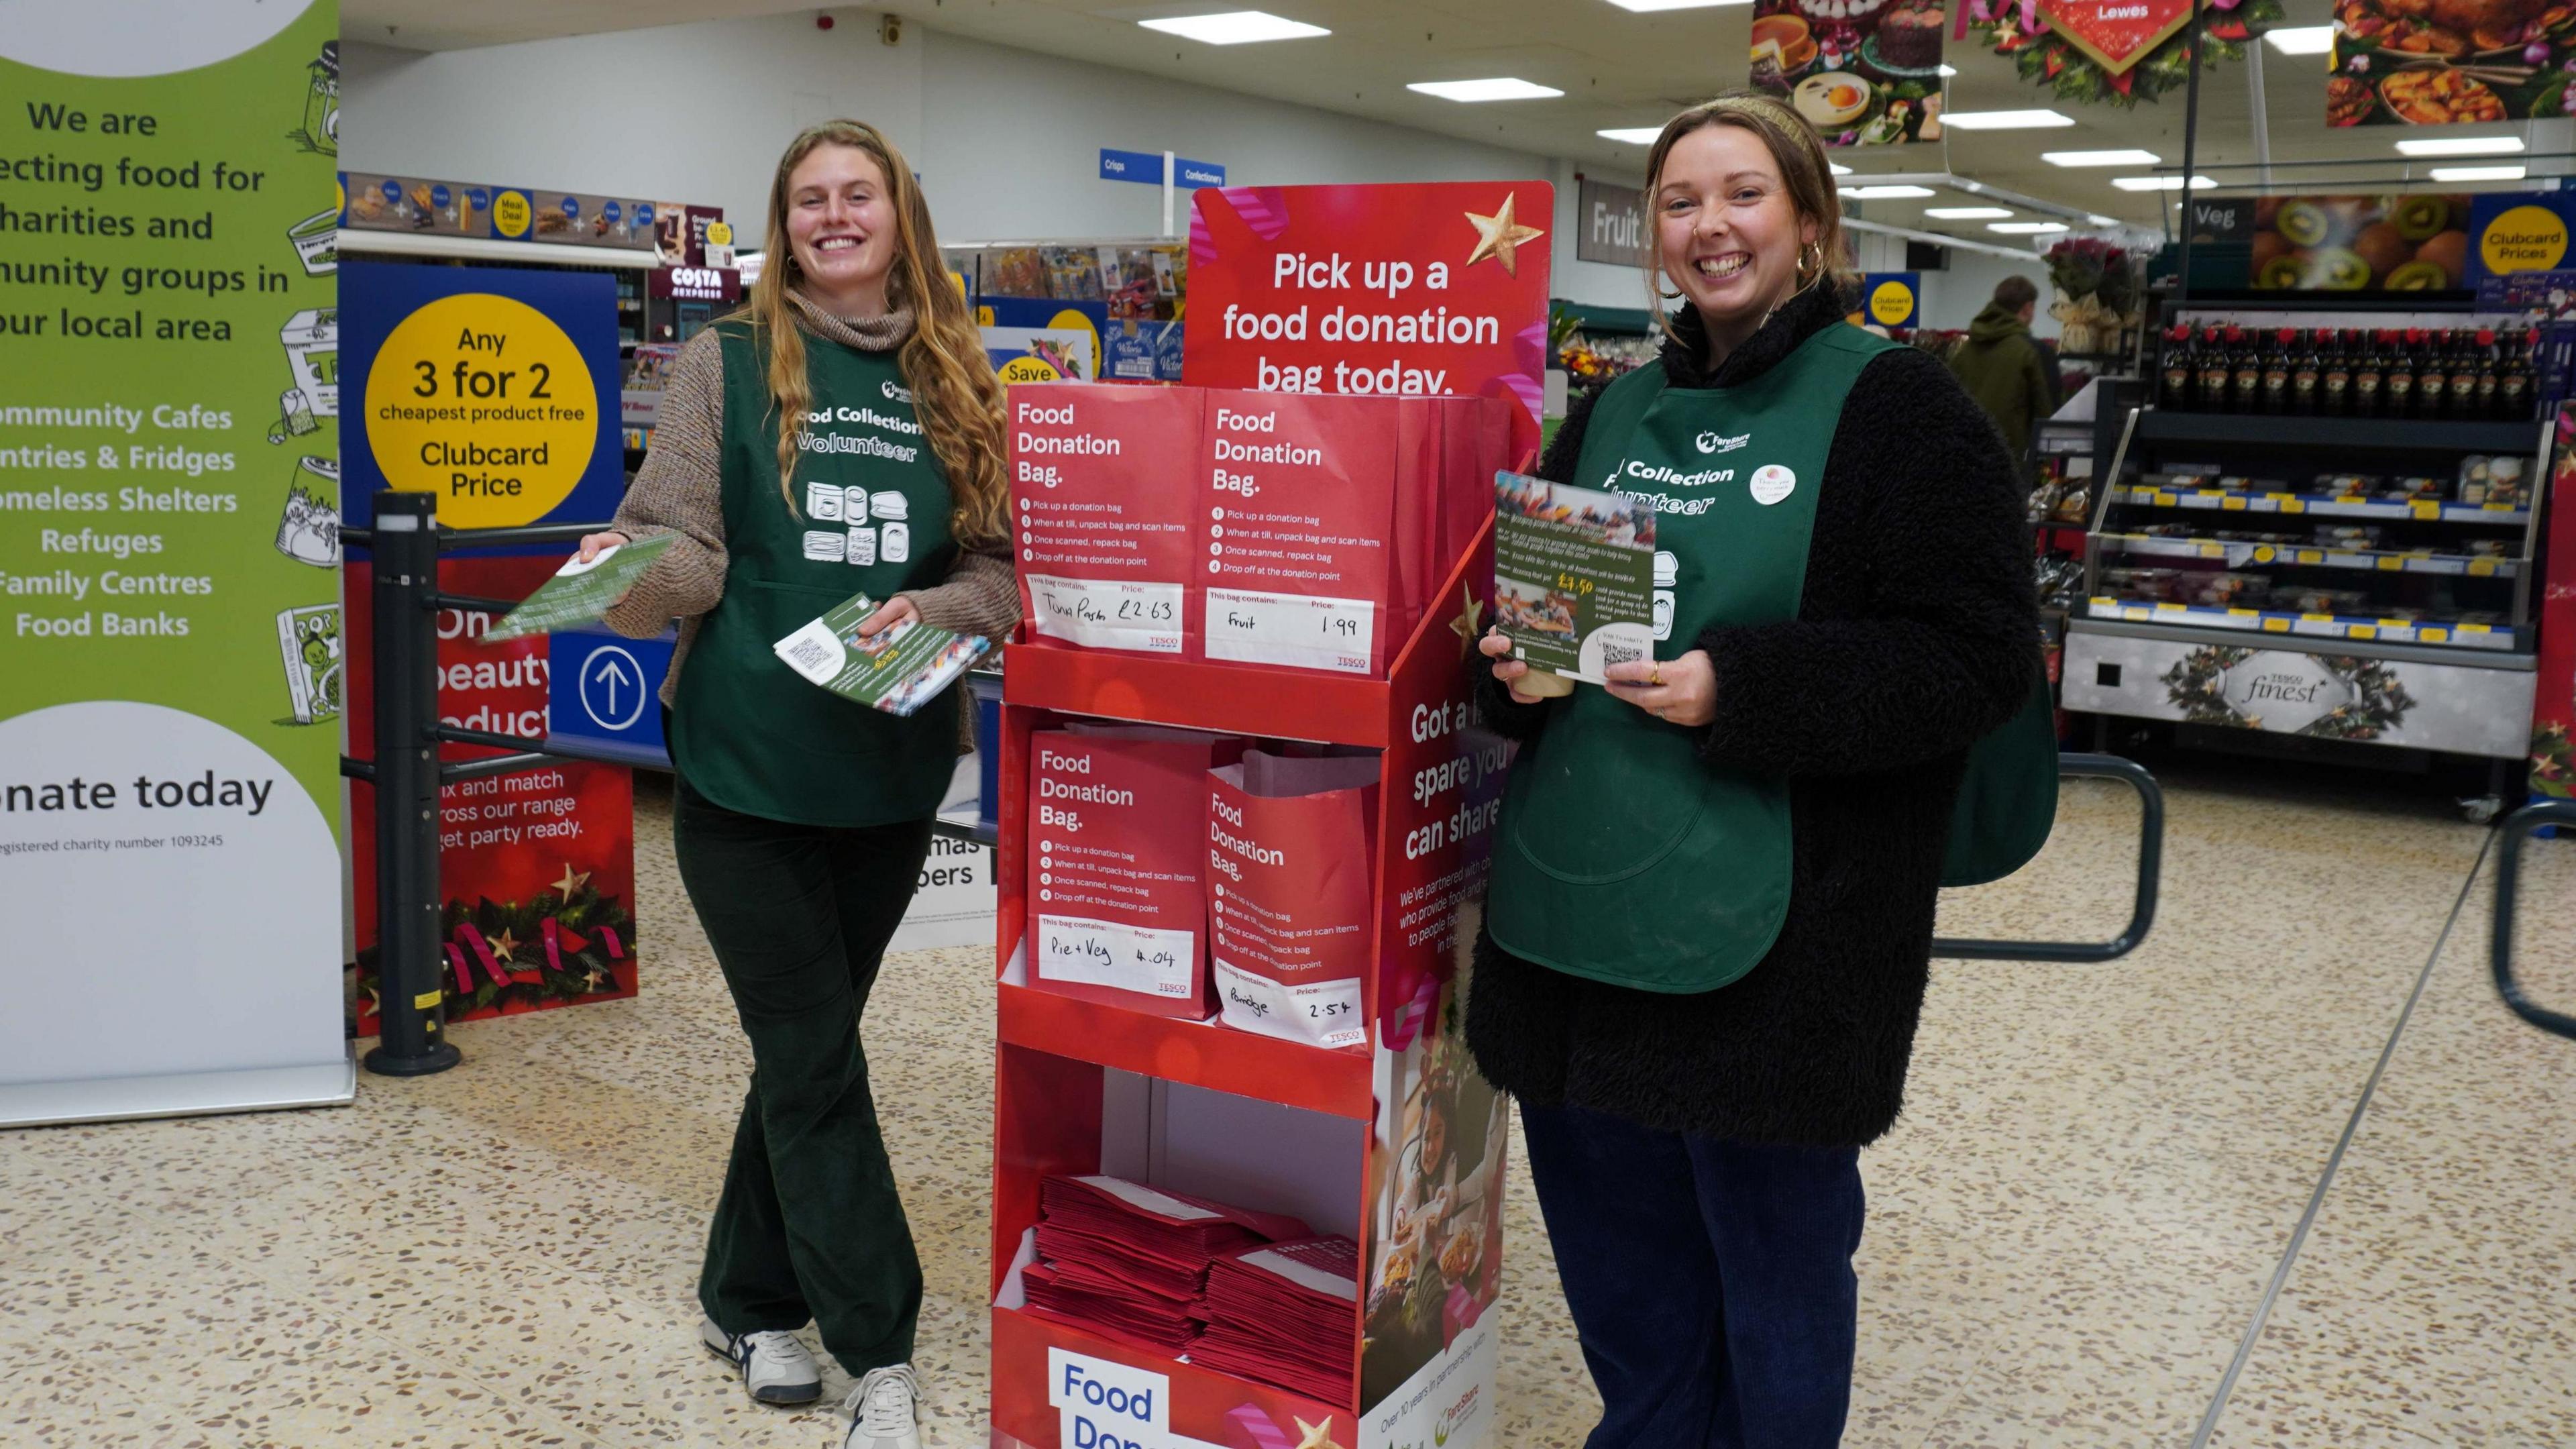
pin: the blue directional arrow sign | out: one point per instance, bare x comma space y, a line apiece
602, 691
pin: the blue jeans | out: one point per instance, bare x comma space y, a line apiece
1710, 1281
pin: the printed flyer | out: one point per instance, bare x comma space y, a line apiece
898, 670
1574, 575
168, 538
580, 593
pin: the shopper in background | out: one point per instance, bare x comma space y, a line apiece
2003, 368
1706, 938
842, 433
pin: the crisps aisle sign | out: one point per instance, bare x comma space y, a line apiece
170, 643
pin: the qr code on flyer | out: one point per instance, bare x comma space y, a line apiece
1619, 651
809, 655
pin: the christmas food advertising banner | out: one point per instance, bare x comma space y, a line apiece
497, 391
1862, 72
169, 480
2112, 52
2450, 62
1415, 291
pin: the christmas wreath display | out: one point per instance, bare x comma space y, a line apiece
560, 946
2042, 51
2198, 686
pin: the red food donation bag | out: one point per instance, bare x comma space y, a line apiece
1104, 486
1289, 847
1120, 891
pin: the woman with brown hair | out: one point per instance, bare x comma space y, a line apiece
841, 434
1707, 933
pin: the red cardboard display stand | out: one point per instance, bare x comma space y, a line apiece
1395, 1142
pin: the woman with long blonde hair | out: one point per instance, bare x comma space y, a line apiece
840, 434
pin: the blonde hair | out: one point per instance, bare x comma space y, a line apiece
954, 391
1804, 171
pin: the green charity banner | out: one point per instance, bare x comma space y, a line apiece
171, 687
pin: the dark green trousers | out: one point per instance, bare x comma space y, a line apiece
810, 1225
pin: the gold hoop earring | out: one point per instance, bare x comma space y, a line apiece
1811, 263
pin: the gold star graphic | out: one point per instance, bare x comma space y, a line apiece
503, 944
1318, 1436
571, 881
1469, 623
1498, 236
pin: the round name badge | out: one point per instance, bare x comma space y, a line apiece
1771, 483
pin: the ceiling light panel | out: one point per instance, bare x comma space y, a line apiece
1497, 88
2004, 120
2026, 228
2301, 39
1968, 213
1884, 193
1234, 27
2462, 146
2160, 183
2510, 172
1631, 135
2100, 158
1648, 7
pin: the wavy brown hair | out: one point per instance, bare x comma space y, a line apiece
1805, 173
954, 392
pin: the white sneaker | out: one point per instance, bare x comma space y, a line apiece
881, 1410
775, 1367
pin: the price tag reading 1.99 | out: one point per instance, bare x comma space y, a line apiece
1291, 629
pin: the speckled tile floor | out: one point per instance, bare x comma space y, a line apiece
2072, 1231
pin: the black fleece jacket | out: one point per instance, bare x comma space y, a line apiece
1916, 634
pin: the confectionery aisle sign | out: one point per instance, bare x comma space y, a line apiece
2408, 63
1862, 72
2112, 52
1373, 290
495, 390
169, 792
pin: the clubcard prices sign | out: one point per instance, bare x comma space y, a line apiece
1417, 290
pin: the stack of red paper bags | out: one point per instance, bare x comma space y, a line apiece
1130, 1262
1285, 1313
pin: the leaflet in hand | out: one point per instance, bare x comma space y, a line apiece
898, 670
580, 593
1574, 575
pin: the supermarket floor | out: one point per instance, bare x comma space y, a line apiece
2121, 1194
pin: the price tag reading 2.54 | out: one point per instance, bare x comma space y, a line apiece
1291, 629
485, 402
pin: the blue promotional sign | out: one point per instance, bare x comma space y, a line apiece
1891, 299
1147, 167
2520, 231
519, 421
601, 690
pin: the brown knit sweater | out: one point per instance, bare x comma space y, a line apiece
680, 489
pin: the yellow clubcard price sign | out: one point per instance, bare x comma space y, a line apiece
485, 402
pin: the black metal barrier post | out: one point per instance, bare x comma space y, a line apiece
409, 1001
2518, 828
2142, 911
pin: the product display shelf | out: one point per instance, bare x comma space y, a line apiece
2324, 505
2326, 626
2358, 613
1307, 1119
2240, 555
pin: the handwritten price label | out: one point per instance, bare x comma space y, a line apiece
1324, 1013
1291, 629
1123, 958
1108, 614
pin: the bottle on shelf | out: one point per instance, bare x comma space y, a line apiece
2484, 401
2307, 371
2278, 360
2175, 394
2513, 378
2217, 372
2369, 373
2460, 400
2432, 373
2397, 387
2334, 383
2247, 394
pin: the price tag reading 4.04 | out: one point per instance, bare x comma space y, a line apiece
1291, 629
485, 402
